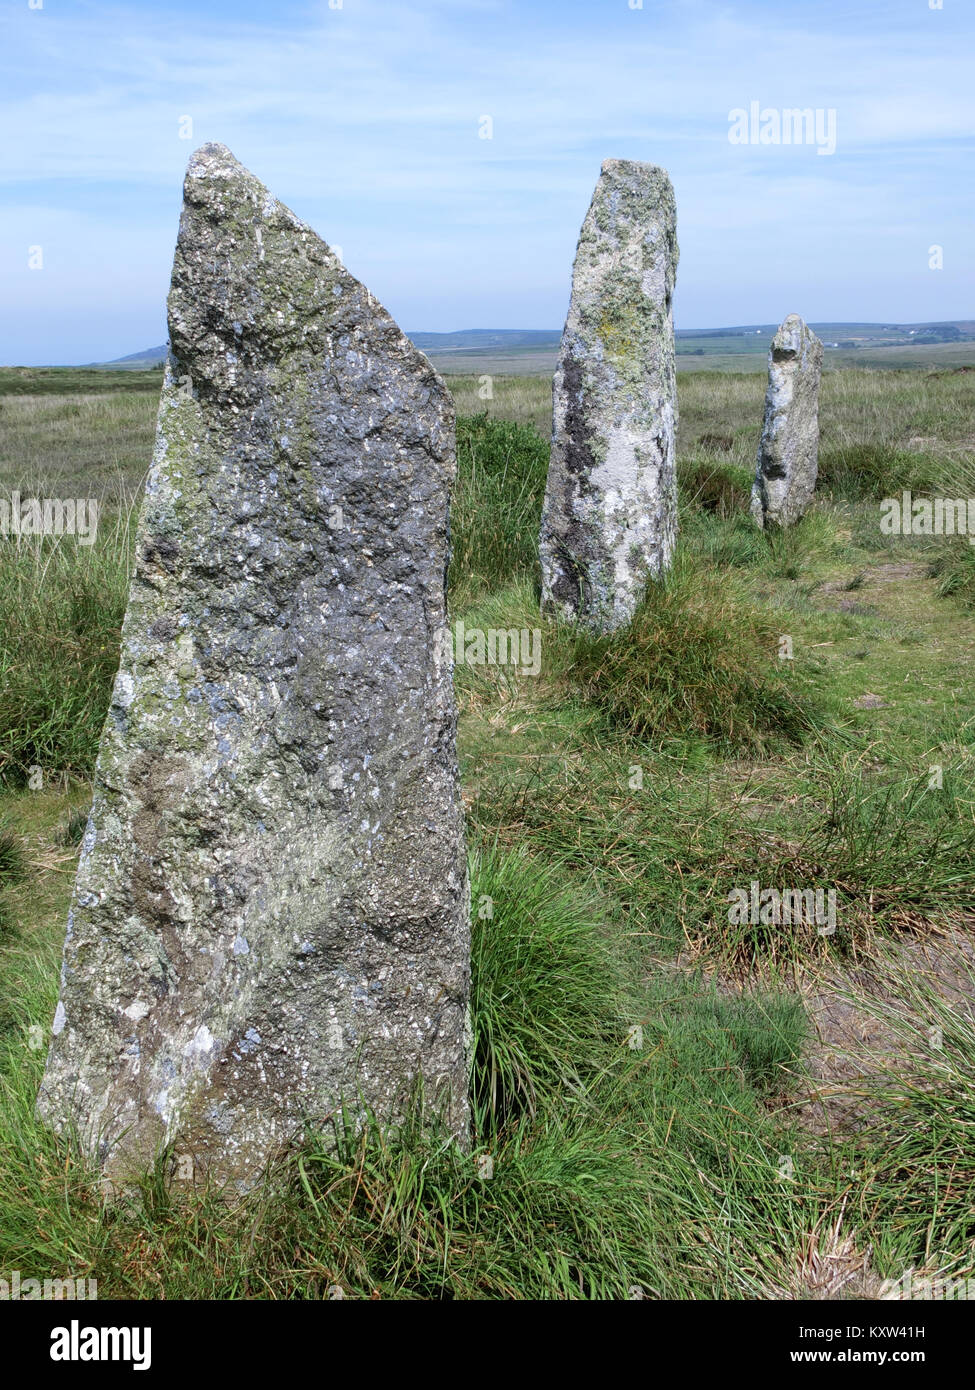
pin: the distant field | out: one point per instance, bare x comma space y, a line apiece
526, 361
70, 381
93, 429
900, 409
530, 352
720, 356
878, 346
717, 354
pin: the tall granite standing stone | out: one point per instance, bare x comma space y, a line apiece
271, 914
609, 521
788, 454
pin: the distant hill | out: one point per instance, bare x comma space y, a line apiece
847, 336
475, 340
534, 349
136, 361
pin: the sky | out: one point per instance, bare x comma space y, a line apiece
450, 149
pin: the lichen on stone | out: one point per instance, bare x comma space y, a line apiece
610, 513
237, 902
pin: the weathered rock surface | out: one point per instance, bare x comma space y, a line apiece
788, 454
610, 516
271, 912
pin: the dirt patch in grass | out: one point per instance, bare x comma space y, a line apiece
851, 1041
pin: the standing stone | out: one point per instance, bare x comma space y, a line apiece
788, 454
271, 913
609, 521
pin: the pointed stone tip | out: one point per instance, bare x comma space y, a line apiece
213, 159
793, 330
631, 168
214, 147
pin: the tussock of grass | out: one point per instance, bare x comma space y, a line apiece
13, 867
954, 569
893, 849
865, 470
895, 843
736, 542
732, 542
763, 1032
697, 660
721, 488
547, 983
12, 863
74, 829
61, 610
496, 504
953, 563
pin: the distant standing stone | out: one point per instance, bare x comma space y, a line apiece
271, 913
788, 455
610, 515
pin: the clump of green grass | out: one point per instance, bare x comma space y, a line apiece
61, 610
723, 489
793, 550
730, 539
765, 1033
12, 863
732, 542
74, 829
547, 983
561, 1215
863, 470
698, 660
954, 569
894, 843
496, 504
13, 867
894, 849
953, 562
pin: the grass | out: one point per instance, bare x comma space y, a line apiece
62, 606
915, 1151
548, 986
12, 868
954, 569
720, 488
495, 508
76, 381
86, 444
953, 560
639, 1058
868, 471
11, 858
592, 1144
697, 661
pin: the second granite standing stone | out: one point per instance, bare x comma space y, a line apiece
609, 521
788, 453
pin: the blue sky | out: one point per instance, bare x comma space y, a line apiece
364, 117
